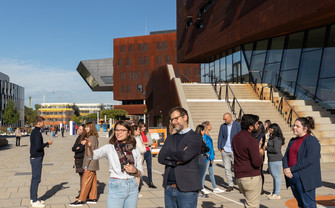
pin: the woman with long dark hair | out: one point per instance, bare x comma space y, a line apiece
301, 163
89, 183
124, 165
260, 136
79, 152
273, 147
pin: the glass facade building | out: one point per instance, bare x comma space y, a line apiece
300, 64
12, 92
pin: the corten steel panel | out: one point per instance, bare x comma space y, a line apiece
230, 23
129, 85
132, 109
161, 95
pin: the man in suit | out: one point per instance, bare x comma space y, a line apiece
227, 131
179, 154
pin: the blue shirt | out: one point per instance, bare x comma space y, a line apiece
227, 146
209, 143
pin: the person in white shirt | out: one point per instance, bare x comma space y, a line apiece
125, 163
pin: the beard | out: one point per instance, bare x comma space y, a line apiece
178, 128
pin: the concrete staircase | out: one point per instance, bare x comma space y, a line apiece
324, 120
204, 105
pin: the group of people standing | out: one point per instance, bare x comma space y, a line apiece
128, 148
187, 155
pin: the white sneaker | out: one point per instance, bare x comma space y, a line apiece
41, 201
205, 191
139, 195
37, 204
217, 190
274, 196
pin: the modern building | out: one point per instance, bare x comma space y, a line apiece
290, 44
12, 92
56, 113
134, 60
88, 108
98, 74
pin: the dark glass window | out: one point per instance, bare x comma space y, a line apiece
315, 39
248, 52
308, 72
223, 69
257, 65
276, 50
261, 46
292, 54
328, 61
229, 65
123, 48
288, 81
271, 73
131, 48
326, 92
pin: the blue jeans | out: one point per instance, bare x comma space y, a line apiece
306, 199
211, 173
36, 172
177, 199
202, 169
148, 160
122, 193
275, 168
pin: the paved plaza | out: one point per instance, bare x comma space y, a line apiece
60, 183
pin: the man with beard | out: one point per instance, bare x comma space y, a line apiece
179, 154
248, 161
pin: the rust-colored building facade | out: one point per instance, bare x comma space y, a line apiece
134, 60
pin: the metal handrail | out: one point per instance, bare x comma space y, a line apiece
188, 79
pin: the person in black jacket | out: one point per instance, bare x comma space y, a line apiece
180, 154
36, 158
79, 152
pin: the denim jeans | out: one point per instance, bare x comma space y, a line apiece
148, 160
36, 172
202, 169
306, 199
210, 169
122, 193
275, 168
177, 199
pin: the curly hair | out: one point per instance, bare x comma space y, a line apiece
93, 131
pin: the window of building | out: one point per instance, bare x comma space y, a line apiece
123, 75
119, 62
128, 61
134, 75
143, 60
143, 46
158, 59
161, 45
123, 48
131, 48
168, 59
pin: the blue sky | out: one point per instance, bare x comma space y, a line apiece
43, 41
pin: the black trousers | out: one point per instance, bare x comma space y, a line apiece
18, 139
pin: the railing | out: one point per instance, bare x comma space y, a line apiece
183, 77
232, 104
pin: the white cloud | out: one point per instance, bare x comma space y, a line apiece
55, 84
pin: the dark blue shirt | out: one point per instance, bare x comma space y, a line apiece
172, 177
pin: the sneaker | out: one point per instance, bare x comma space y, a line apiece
217, 190
41, 201
139, 195
151, 185
91, 201
230, 188
202, 196
37, 204
205, 191
274, 196
77, 204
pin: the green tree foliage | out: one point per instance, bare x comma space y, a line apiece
37, 106
29, 115
116, 114
11, 115
77, 119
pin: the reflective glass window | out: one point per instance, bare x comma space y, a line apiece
276, 50
261, 46
223, 69
245, 71
308, 72
291, 56
217, 68
271, 73
257, 65
328, 61
288, 81
202, 72
248, 52
326, 92
315, 39
229, 65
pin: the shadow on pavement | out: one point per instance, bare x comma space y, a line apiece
101, 188
53, 191
209, 204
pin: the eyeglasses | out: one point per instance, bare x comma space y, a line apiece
121, 130
175, 118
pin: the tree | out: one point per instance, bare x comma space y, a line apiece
37, 106
77, 119
11, 115
116, 114
29, 115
